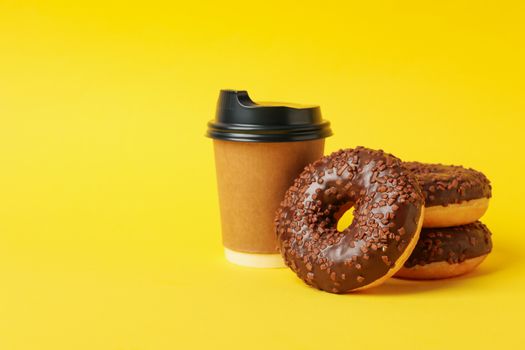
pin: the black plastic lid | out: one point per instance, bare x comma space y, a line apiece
238, 118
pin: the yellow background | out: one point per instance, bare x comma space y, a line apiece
109, 226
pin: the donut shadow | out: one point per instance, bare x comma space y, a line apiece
498, 260
395, 286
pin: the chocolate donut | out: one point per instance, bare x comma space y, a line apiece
453, 195
447, 252
388, 213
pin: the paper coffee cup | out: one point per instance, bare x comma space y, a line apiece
259, 150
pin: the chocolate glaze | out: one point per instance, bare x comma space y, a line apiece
449, 184
387, 205
451, 244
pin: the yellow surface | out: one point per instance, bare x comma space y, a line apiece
109, 227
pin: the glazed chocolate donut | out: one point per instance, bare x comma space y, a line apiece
388, 214
447, 252
453, 195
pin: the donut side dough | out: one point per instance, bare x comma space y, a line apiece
455, 214
440, 269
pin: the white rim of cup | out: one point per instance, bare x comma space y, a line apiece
254, 260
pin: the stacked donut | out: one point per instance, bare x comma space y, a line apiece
452, 241
391, 202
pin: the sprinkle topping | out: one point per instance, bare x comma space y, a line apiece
387, 204
451, 244
449, 184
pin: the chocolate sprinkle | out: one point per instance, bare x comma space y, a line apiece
451, 244
387, 204
449, 184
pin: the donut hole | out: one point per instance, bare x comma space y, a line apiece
344, 216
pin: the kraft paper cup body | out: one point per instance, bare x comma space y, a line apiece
260, 148
252, 179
